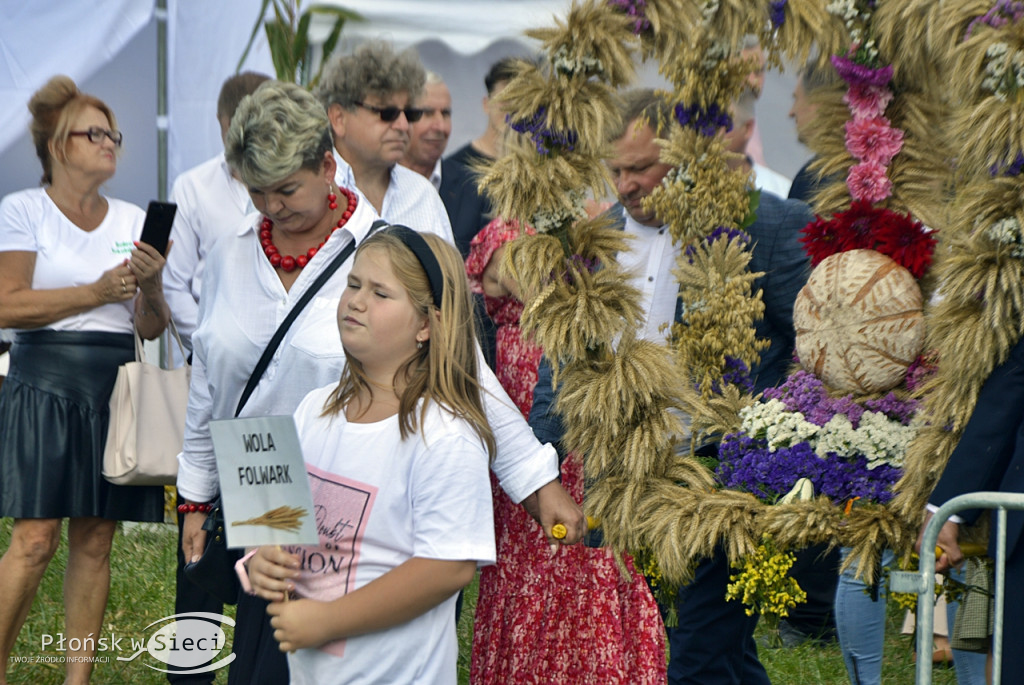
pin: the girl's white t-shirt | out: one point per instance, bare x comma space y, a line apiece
68, 256
380, 501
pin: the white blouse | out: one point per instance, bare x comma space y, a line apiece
242, 304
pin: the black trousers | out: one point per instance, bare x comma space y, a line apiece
714, 642
189, 597
817, 571
259, 660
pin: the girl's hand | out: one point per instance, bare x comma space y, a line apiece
147, 264
271, 572
298, 624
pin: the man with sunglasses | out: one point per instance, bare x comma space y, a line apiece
368, 95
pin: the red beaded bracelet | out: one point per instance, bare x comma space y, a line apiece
192, 507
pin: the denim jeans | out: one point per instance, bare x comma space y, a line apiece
860, 624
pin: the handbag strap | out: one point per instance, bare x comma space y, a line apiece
275, 341
140, 350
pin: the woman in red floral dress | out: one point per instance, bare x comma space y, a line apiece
541, 617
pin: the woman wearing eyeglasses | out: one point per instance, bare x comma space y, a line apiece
74, 283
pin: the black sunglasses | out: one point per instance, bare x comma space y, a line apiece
390, 113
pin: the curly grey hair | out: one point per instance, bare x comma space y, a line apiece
373, 69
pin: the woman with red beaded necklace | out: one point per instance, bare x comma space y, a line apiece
280, 145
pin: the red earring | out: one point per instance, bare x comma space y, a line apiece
332, 199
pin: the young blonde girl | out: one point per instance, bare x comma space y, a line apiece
397, 455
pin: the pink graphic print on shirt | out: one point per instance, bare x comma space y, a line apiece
343, 509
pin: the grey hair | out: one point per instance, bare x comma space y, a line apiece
276, 131
434, 79
644, 104
373, 69
817, 74
743, 107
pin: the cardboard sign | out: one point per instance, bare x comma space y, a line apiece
267, 499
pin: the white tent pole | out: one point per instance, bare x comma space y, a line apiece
160, 14
161, 98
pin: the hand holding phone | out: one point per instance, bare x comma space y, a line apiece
156, 230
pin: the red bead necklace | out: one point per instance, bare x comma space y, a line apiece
289, 263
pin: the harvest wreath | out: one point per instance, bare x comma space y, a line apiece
580, 310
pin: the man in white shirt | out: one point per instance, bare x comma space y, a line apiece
428, 137
738, 137
211, 202
714, 641
368, 96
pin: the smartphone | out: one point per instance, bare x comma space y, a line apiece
157, 228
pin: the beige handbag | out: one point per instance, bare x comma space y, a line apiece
147, 421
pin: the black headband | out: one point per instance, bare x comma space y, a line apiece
415, 242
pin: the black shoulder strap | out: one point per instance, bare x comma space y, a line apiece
275, 341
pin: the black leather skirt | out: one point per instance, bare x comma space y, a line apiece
54, 411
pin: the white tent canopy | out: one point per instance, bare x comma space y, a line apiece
466, 26
29, 55
110, 50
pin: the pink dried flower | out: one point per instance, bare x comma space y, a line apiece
867, 181
867, 100
873, 140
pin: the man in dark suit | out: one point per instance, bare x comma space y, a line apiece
990, 456
714, 641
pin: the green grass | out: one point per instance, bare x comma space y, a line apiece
142, 591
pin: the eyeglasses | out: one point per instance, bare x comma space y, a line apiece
390, 113
97, 134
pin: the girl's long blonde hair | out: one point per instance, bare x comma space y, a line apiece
444, 370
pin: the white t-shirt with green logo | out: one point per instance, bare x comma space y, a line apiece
68, 256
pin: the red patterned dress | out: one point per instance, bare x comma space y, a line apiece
569, 617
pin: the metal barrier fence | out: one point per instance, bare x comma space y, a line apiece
922, 582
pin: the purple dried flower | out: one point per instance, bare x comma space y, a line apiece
634, 8
777, 12
736, 372
802, 392
1014, 168
919, 371
854, 73
728, 234
544, 138
720, 232
1004, 12
577, 264
706, 122
746, 464
895, 408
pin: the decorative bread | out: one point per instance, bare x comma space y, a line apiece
859, 322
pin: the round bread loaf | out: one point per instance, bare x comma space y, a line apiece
859, 322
